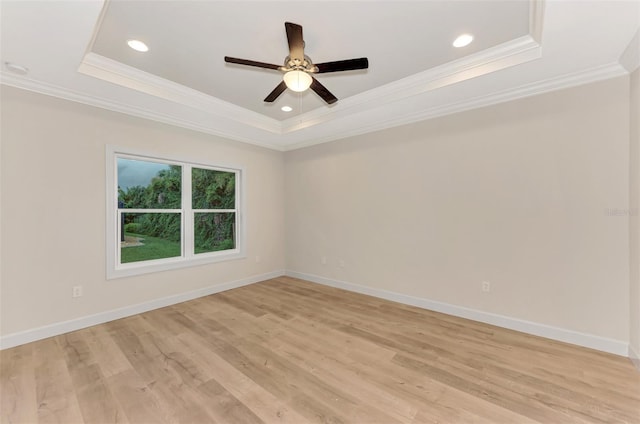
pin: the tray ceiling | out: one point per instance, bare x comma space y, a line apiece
188, 41
78, 50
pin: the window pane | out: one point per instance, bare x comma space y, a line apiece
148, 185
213, 189
214, 231
149, 236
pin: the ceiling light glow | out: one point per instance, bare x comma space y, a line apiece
297, 80
286, 108
463, 40
138, 45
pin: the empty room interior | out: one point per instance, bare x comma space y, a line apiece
320, 211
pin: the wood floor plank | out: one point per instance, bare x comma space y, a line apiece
163, 371
308, 401
289, 351
377, 379
135, 398
264, 361
17, 385
96, 401
105, 351
268, 407
417, 347
56, 396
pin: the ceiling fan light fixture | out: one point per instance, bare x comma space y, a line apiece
297, 80
463, 40
298, 67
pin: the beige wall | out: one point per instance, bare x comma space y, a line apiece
526, 195
634, 219
53, 209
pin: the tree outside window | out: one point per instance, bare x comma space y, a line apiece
172, 211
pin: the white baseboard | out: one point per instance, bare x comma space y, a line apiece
635, 357
616, 347
555, 333
22, 337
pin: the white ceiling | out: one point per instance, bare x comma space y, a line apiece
189, 40
77, 50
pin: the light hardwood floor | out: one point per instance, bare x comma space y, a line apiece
290, 351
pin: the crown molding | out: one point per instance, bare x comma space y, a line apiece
630, 58
511, 53
599, 73
377, 109
116, 72
507, 54
536, 19
214, 116
47, 89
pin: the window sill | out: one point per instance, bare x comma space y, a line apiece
147, 267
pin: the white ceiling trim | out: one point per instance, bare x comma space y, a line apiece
110, 70
536, 18
599, 73
508, 54
14, 80
182, 106
505, 55
453, 87
630, 59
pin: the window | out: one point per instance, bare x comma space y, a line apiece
164, 214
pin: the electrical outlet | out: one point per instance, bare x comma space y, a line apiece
486, 286
77, 291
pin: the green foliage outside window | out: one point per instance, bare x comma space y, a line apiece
213, 231
163, 192
213, 190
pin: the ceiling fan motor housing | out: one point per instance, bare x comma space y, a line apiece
298, 67
305, 65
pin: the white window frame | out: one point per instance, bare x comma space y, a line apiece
188, 257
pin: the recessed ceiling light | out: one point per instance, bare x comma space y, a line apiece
286, 108
16, 69
138, 45
463, 40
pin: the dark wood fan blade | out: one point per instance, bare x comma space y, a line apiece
296, 42
322, 91
276, 92
251, 63
343, 65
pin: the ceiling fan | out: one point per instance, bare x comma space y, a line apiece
298, 68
